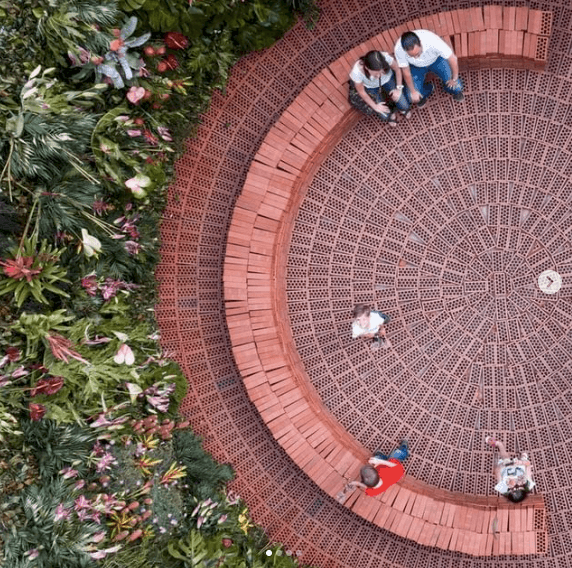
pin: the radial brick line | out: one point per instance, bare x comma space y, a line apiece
439, 221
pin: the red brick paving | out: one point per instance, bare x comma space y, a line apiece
499, 194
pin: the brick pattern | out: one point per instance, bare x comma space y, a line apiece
195, 237
256, 257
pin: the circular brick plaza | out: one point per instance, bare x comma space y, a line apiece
445, 223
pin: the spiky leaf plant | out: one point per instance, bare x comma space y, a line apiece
52, 543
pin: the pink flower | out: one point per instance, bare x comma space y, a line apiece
105, 462
80, 484
124, 355
135, 94
132, 247
81, 503
133, 133
68, 472
89, 284
61, 513
19, 372
164, 133
98, 537
137, 184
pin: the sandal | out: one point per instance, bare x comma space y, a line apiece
406, 114
392, 120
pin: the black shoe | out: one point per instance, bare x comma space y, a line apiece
459, 97
423, 101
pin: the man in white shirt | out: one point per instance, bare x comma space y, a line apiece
420, 52
369, 324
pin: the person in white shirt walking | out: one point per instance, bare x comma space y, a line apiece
420, 52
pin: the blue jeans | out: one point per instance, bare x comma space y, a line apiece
401, 453
442, 69
402, 104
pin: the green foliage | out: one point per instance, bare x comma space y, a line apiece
33, 271
58, 446
203, 472
67, 26
58, 544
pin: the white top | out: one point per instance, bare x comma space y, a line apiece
432, 45
375, 322
512, 471
358, 76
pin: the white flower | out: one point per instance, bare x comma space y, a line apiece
91, 245
124, 355
137, 184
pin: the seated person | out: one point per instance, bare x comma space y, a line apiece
370, 324
376, 86
420, 52
513, 475
382, 471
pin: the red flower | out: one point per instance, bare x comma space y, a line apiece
172, 61
20, 268
149, 51
13, 354
226, 542
37, 411
176, 40
50, 385
89, 284
162, 66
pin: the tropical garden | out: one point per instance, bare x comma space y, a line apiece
97, 97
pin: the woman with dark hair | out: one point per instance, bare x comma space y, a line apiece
376, 87
513, 475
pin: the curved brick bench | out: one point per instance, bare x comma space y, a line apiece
254, 289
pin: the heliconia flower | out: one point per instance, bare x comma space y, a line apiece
91, 245
33, 553
98, 555
37, 411
134, 132
50, 385
61, 513
69, 473
200, 521
124, 355
135, 94
80, 484
61, 348
222, 519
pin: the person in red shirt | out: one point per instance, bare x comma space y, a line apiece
382, 471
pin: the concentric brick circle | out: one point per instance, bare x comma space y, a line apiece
510, 139
445, 224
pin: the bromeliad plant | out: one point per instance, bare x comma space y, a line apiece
33, 271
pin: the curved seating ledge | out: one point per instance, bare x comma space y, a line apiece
254, 292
